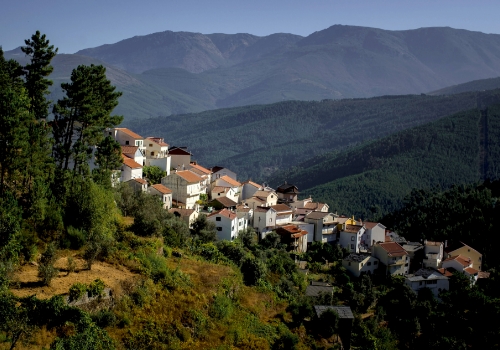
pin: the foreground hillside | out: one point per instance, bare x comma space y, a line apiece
255, 141
375, 177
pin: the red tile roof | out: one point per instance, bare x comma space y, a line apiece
280, 208
220, 189
162, 189
445, 272
263, 194
393, 249
129, 149
262, 209
189, 176
230, 181
369, 225
462, 260
226, 202
258, 199
456, 247
179, 152
224, 212
471, 271
182, 212
314, 205
157, 140
352, 228
130, 133
316, 215
199, 167
141, 181
130, 162
252, 183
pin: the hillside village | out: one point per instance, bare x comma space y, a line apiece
189, 190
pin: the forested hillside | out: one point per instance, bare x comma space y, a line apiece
475, 85
374, 178
255, 141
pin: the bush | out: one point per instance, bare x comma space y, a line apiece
46, 269
221, 308
104, 318
76, 291
253, 270
96, 288
75, 238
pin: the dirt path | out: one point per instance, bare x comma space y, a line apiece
29, 282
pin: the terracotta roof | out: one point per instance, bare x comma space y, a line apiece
130, 162
471, 271
198, 172
129, 149
369, 225
316, 215
242, 209
258, 199
199, 167
352, 228
226, 202
461, 260
157, 140
141, 181
220, 189
393, 249
224, 212
162, 189
262, 193
230, 180
262, 209
252, 183
189, 176
445, 272
183, 212
130, 133
314, 205
282, 208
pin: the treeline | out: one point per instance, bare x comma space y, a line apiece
373, 179
256, 141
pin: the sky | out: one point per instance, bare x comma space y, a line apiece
72, 25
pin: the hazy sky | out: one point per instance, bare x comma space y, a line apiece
72, 25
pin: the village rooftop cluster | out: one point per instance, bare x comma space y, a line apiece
234, 206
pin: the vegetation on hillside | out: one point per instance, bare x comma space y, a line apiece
255, 141
373, 179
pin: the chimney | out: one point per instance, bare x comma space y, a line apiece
446, 243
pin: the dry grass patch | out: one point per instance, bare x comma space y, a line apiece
28, 282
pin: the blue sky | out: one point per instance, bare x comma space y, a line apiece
72, 25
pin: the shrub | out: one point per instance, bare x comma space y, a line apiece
71, 267
253, 270
104, 318
96, 288
221, 308
46, 269
76, 291
75, 237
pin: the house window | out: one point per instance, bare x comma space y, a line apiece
217, 218
349, 263
126, 142
271, 220
352, 246
406, 264
479, 258
375, 263
352, 238
150, 145
369, 263
232, 228
219, 228
152, 153
241, 223
110, 133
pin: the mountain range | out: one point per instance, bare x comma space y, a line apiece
181, 72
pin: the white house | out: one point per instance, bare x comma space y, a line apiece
138, 184
283, 214
204, 173
135, 153
227, 224
287, 193
164, 193
218, 172
185, 187
157, 153
180, 158
248, 189
461, 264
350, 237
264, 220
268, 197
433, 254
374, 232
325, 226
294, 237
360, 263
222, 191
428, 278
395, 259
188, 215
126, 137
226, 181
130, 169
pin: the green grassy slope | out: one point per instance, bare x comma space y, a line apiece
257, 140
475, 85
375, 177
